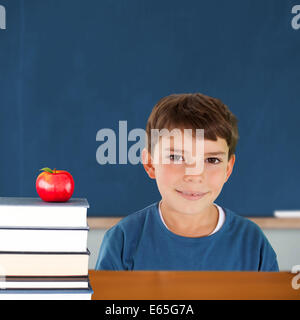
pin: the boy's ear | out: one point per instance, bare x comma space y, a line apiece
147, 163
230, 167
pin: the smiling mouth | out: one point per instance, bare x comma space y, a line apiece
191, 195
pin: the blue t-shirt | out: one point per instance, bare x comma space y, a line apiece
141, 241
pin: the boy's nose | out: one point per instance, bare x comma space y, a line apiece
193, 174
194, 167
193, 178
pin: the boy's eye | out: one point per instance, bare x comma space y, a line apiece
179, 158
176, 158
213, 160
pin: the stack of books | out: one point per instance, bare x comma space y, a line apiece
43, 249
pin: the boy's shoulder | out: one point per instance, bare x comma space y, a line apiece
242, 224
240, 219
135, 219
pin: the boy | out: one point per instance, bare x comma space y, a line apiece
186, 230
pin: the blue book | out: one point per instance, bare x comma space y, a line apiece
17, 283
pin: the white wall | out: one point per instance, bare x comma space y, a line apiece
286, 244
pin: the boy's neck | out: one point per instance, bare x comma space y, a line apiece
198, 225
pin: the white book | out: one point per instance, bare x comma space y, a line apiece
43, 264
47, 294
287, 214
43, 239
34, 212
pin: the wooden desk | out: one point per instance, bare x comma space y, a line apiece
191, 285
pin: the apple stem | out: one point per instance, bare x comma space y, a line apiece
47, 170
54, 170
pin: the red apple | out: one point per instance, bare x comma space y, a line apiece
54, 185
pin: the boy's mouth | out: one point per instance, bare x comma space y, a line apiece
191, 195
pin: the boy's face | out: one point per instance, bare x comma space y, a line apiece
184, 190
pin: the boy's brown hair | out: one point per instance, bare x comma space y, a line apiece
194, 111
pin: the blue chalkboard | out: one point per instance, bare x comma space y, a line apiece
71, 68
